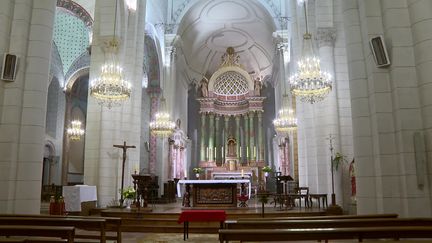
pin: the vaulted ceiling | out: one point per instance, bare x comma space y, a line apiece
210, 26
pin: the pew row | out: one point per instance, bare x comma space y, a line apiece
360, 216
99, 224
391, 232
61, 232
327, 223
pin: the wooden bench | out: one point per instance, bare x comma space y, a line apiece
101, 224
327, 223
63, 232
361, 216
391, 232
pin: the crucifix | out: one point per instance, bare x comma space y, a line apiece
331, 138
124, 147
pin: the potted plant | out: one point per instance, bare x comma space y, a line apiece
128, 194
266, 169
337, 160
197, 171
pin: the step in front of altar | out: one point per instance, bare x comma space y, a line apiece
167, 222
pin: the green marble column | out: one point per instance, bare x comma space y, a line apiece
237, 136
260, 146
252, 149
247, 137
202, 139
217, 138
211, 137
226, 120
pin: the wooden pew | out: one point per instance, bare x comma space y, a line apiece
360, 216
87, 224
64, 232
327, 223
391, 232
111, 224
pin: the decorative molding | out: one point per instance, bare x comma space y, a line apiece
326, 36
77, 10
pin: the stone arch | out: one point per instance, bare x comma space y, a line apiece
52, 108
152, 60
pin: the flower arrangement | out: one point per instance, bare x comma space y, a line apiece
267, 169
338, 158
198, 170
129, 193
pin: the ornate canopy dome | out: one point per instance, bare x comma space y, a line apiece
231, 83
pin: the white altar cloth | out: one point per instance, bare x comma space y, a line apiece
179, 193
75, 195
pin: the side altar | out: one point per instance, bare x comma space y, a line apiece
212, 193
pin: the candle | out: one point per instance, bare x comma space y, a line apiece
207, 152
247, 151
254, 152
185, 172
242, 173
215, 153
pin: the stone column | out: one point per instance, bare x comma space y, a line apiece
260, 148
252, 148
28, 30
154, 103
247, 137
237, 136
211, 137
202, 138
217, 139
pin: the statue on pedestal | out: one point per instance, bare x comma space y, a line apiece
204, 87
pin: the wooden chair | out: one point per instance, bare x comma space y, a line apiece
321, 198
301, 193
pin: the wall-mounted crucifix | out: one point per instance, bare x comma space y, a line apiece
124, 147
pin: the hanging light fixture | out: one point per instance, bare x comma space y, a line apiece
110, 89
285, 122
75, 131
162, 126
310, 84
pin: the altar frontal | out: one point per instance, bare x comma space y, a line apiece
211, 193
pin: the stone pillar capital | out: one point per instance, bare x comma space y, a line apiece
326, 36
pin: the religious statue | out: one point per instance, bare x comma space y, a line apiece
353, 181
204, 87
232, 147
257, 86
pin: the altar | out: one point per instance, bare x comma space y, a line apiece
212, 193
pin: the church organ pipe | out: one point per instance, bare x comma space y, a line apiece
202, 139
260, 152
211, 138
237, 136
252, 148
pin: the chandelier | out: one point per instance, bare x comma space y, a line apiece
110, 89
75, 131
286, 121
162, 126
310, 84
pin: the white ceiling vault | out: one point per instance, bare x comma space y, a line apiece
210, 26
